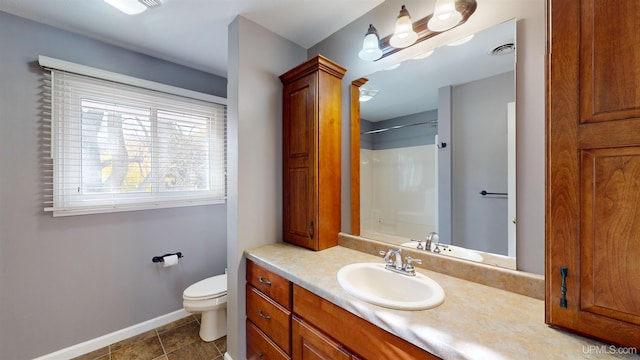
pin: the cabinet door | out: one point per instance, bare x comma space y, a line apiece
299, 157
593, 167
309, 343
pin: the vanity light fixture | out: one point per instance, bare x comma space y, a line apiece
451, 13
445, 16
403, 35
371, 45
133, 7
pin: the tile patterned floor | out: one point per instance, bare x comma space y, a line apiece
178, 340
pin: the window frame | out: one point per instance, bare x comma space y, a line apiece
62, 203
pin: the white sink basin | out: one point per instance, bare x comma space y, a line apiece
450, 250
372, 283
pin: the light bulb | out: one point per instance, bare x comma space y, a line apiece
370, 46
403, 35
445, 16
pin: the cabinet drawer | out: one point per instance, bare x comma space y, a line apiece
270, 317
272, 285
259, 346
355, 333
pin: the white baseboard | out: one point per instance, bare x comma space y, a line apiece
105, 340
227, 356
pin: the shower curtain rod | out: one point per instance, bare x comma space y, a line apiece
432, 122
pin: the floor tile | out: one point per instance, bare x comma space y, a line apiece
221, 344
180, 337
148, 349
176, 324
179, 340
132, 340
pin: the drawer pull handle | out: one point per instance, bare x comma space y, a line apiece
260, 355
266, 282
262, 315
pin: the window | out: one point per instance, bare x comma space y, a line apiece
117, 147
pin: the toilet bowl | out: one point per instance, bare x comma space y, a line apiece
209, 297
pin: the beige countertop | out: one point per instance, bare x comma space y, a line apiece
474, 322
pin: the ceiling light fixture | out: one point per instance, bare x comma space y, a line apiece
371, 45
445, 16
366, 95
133, 7
403, 35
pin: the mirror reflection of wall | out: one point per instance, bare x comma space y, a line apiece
400, 127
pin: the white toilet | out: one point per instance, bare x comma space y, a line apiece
209, 297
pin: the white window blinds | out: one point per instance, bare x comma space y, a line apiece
117, 147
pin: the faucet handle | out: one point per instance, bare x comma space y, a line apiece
409, 268
419, 241
387, 256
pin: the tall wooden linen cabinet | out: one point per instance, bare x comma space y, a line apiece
593, 169
311, 153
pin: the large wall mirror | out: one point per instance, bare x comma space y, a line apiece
437, 149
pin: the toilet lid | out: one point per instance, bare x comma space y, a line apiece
207, 288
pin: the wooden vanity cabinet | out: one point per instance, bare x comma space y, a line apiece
593, 167
268, 314
312, 109
355, 338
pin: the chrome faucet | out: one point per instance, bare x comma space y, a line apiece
393, 263
396, 264
432, 239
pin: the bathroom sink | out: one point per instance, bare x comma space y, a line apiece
450, 250
372, 283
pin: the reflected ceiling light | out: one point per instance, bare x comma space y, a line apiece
403, 35
445, 16
392, 67
371, 45
133, 7
366, 95
464, 40
423, 55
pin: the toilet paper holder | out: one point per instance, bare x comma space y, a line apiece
157, 259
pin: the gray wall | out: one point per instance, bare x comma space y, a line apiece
411, 135
254, 218
67, 280
479, 151
343, 47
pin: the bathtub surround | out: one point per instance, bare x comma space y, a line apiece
60, 272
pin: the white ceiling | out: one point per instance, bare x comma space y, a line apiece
413, 87
192, 32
